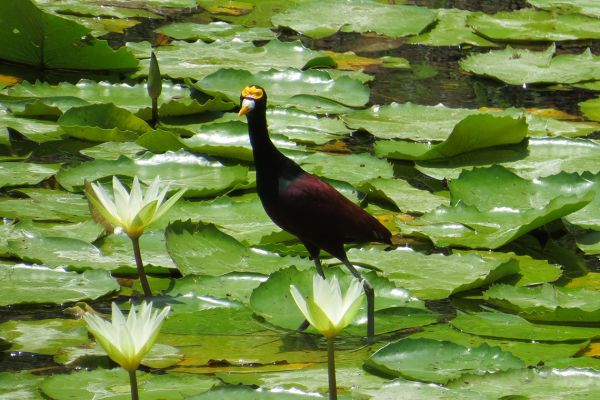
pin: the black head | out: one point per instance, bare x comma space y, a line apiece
253, 98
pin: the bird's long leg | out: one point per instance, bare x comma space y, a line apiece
370, 293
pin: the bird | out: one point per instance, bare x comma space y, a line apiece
305, 205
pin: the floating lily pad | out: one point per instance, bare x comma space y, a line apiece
215, 31
539, 157
591, 109
181, 170
533, 25
20, 385
19, 173
47, 336
37, 284
586, 7
86, 230
400, 193
36, 130
33, 37
439, 361
114, 385
500, 325
234, 286
451, 29
46, 205
532, 352
235, 392
472, 133
312, 90
522, 66
500, 213
204, 250
197, 60
548, 383
434, 276
318, 20
214, 321
547, 302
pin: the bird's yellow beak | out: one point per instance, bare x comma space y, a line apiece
246, 107
244, 110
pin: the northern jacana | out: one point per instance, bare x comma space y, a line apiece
304, 205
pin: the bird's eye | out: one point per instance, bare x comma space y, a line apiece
253, 92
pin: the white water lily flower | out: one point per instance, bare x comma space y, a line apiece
131, 211
327, 310
127, 341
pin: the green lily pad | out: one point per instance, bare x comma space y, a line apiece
439, 361
214, 321
589, 242
539, 157
472, 133
591, 109
152, 245
92, 8
547, 302
46, 205
585, 7
401, 194
36, 130
46, 336
434, 276
87, 230
241, 217
436, 123
535, 384
181, 170
247, 13
113, 150
203, 249
102, 123
196, 60
20, 385
19, 173
311, 90
248, 393
500, 325
389, 302
114, 384
491, 207
37, 284
318, 20
235, 286
532, 352
522, 66
533, 25
33, 37
419, 391
451, 29
215, 31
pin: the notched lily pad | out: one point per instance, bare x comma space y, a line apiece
439, 361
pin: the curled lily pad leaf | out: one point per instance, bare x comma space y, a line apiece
573, 383
36, 130
400, 193
547, 302
435, 276
179, 170
533, 25
197, 60
29, 284
540, 157
204, 250
102, 123
33, 37
585, 7
439, 361
215, 31
311, 90
522, 66
472, 133
44, 336
115, 385
501, 325
503, 213
318, 20
451, 29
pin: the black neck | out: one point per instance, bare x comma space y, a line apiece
266, 155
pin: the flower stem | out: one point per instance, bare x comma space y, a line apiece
140, 267
133, 385
331, 369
